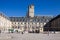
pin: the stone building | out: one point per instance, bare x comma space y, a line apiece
27, 23
53, 24
5, 22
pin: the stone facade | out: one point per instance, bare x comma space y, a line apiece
5, 22
29, 24
30, 11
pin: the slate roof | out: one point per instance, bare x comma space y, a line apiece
35, 19
58, 16
1, 14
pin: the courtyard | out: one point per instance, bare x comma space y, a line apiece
29, 36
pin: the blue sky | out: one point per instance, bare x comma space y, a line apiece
19, 7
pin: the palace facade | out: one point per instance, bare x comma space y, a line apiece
27, 23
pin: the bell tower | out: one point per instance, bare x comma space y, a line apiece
30, 11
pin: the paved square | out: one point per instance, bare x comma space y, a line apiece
29, 36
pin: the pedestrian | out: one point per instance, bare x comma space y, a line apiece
22, 32
0, 31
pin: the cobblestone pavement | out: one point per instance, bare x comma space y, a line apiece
29, 36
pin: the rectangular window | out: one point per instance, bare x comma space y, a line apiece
18, 22
15, 22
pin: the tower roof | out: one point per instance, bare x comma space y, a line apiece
31, 5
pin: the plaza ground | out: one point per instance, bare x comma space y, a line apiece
29, 36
